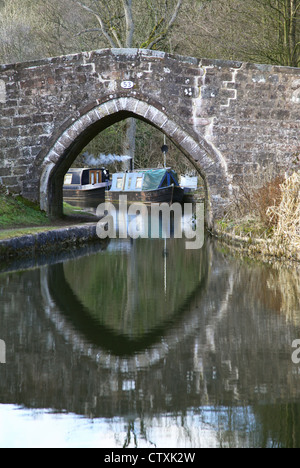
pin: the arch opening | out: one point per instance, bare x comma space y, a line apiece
77, 136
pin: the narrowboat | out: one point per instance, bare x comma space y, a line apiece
146, 186
85, 187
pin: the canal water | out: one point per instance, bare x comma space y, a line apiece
142, 343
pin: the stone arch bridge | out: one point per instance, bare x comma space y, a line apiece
229, 119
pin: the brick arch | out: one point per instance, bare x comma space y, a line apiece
208, 162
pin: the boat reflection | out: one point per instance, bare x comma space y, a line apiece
205, 363
124, 302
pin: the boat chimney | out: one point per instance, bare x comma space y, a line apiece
164, 150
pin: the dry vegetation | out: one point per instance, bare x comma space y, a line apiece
267, 219
286, 219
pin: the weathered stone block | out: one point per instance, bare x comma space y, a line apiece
2, 92
5, 171
9, 181
22, 121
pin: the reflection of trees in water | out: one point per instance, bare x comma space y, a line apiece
285, 283
230, 350
131, 432
237, 358
280, 424
133, 292
103, 322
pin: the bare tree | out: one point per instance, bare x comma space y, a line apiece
123, 24
287, 14
15, 31
32, 30
265, 31
131, 23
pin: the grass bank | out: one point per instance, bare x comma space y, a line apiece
20, 217
16, 211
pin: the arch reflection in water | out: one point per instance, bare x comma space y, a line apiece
217, 371
125, 300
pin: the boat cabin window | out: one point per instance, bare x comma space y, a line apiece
72, 178
95, 177
68, 179
133, 181
139, 182
120, 183
85, 178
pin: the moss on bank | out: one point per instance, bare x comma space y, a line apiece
247, 227
20, 217
17, 211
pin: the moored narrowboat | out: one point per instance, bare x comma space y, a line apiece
86, 187
147, 186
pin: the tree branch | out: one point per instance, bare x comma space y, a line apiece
127, 5
101, 22
85, 31
114, 33
164, 33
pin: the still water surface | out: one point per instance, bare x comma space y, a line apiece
143, 343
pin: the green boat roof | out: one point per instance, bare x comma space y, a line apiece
154, 177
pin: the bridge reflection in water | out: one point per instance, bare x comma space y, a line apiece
124, 302
157, 346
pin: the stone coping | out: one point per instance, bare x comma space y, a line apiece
49, 240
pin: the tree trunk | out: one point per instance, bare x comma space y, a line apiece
129, 22
290, 17
293, 33
129, 143
130, 134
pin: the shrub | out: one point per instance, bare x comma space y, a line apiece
287, 216
266, 197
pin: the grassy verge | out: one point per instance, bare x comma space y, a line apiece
70, 210
16, 211
248, 227
19, 217
12, 233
